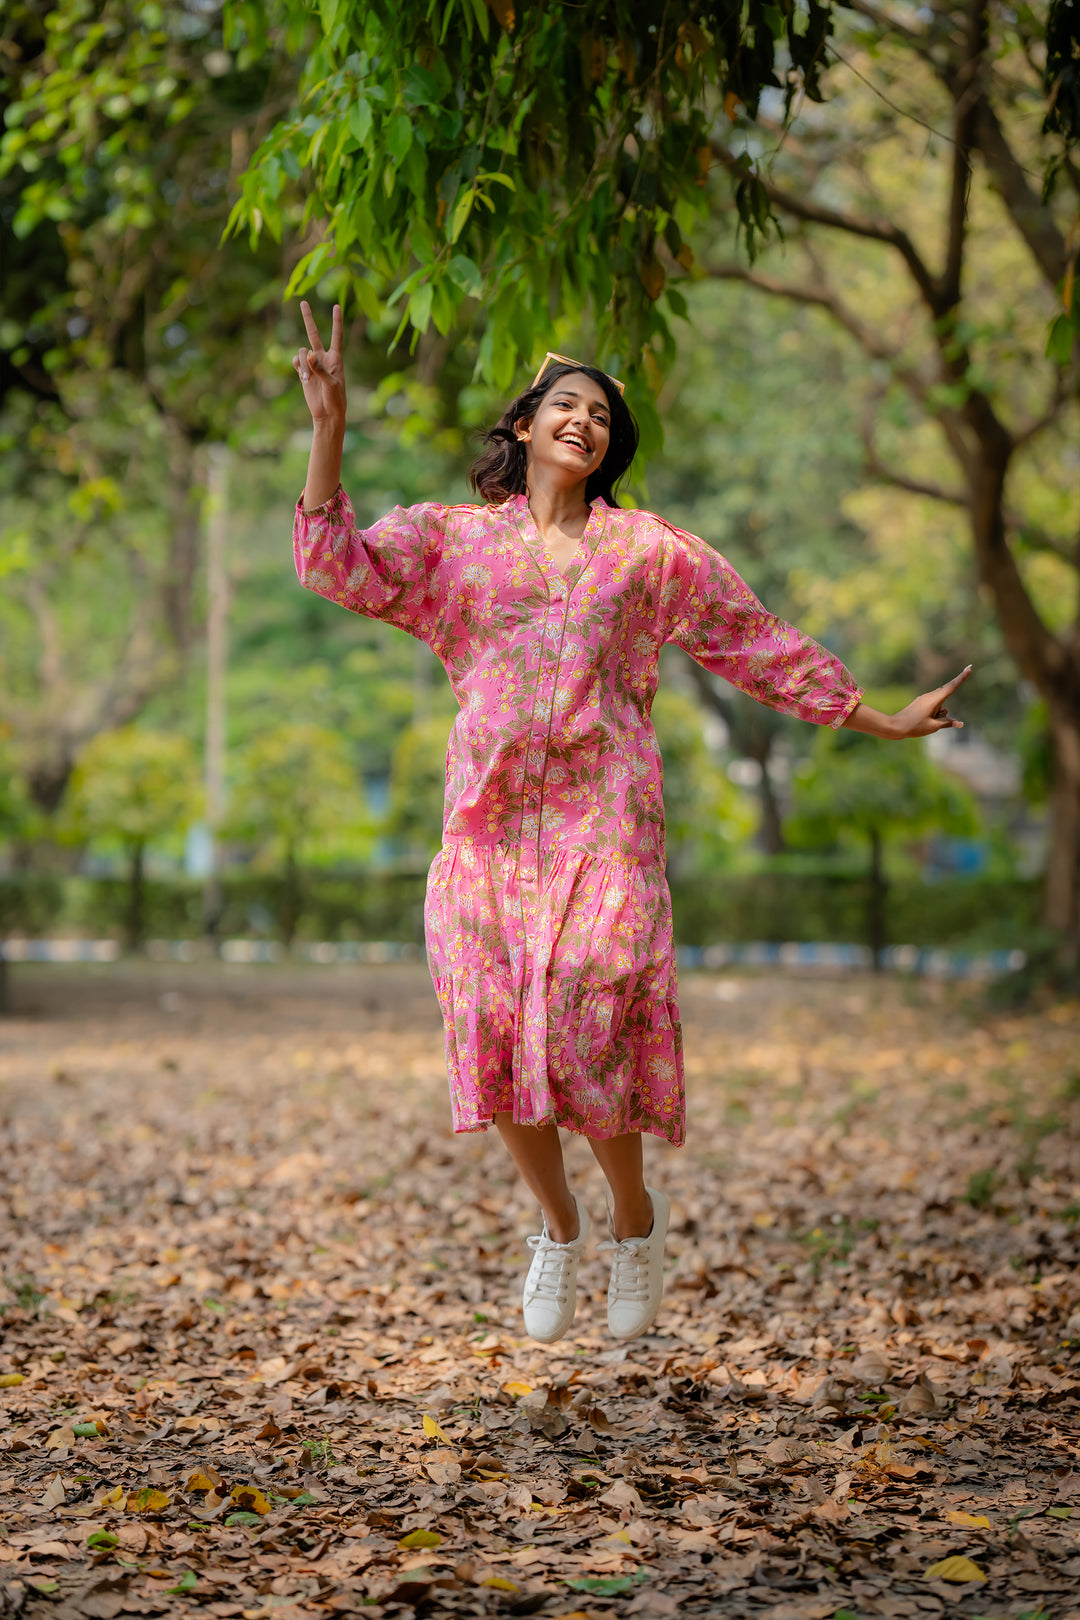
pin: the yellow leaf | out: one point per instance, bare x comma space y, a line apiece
620, 1535
433, 1431
147, 1500
500, 1583
973, 1521
10, 1380
516, 1388
198, 1481
250, 1500
955, 1568
112, 1498
420, 1538
490, 1473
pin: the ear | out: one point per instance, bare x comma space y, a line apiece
523, 429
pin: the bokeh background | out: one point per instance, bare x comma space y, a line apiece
195, 753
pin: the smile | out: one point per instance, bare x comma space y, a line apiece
576, 441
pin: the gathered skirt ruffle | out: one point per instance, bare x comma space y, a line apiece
558, 990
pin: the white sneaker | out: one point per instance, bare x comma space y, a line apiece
637, 1275
550, 1296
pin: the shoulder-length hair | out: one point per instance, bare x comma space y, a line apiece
499, 470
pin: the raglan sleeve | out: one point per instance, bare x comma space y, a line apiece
392, 571
715, 617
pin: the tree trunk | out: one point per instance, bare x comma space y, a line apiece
292, 899
1061, 910
5, 986
136, 897
1053, 667
752, 730
877, 892
771, 828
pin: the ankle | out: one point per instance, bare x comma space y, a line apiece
564, 1223
632, 1217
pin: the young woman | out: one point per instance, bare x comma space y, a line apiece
548, 917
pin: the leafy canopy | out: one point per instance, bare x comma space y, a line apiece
135, 786
535, 161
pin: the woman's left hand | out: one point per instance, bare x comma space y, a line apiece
921, 718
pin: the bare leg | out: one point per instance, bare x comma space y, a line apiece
537, 1152
619, 1157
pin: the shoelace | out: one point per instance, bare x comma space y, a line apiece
550, 1283
629, 1267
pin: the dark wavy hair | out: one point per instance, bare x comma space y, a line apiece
499, 470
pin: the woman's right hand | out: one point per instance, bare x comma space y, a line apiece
322, 371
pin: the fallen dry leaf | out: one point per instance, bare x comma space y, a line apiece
956, 1568
257, 1311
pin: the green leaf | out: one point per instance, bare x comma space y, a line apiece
398, 135
459, 214
1060, 340
360, 120
420, 307
187, 1583
102, 1540
243, 1518
606, 1585
466, 275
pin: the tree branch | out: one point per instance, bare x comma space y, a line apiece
871, 230
1035, 223
822, 297
965, 88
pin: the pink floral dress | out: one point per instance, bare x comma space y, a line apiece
548, 917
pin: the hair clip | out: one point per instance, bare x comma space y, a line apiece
564, 359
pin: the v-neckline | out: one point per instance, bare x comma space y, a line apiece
540, 554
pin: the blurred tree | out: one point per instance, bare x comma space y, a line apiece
128, 338
131, 787
294, 787
16, 817
418, 788
942, 264
706, 815
858, 786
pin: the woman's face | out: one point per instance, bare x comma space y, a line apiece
570, 433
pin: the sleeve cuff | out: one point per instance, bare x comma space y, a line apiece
848, 710
315, 511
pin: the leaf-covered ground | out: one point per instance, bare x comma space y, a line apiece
262, 1353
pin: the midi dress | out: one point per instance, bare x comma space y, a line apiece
547, 912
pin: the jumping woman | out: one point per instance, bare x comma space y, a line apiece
548, 918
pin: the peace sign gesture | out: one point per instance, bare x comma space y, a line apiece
322, 371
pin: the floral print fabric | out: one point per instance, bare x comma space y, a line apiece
548, 917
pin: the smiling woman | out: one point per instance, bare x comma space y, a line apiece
565, 401
548, 917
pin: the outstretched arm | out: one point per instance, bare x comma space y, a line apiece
921, 718
322, 373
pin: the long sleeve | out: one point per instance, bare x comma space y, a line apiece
714, 616
391, 571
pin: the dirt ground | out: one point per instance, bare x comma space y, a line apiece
262, 1351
